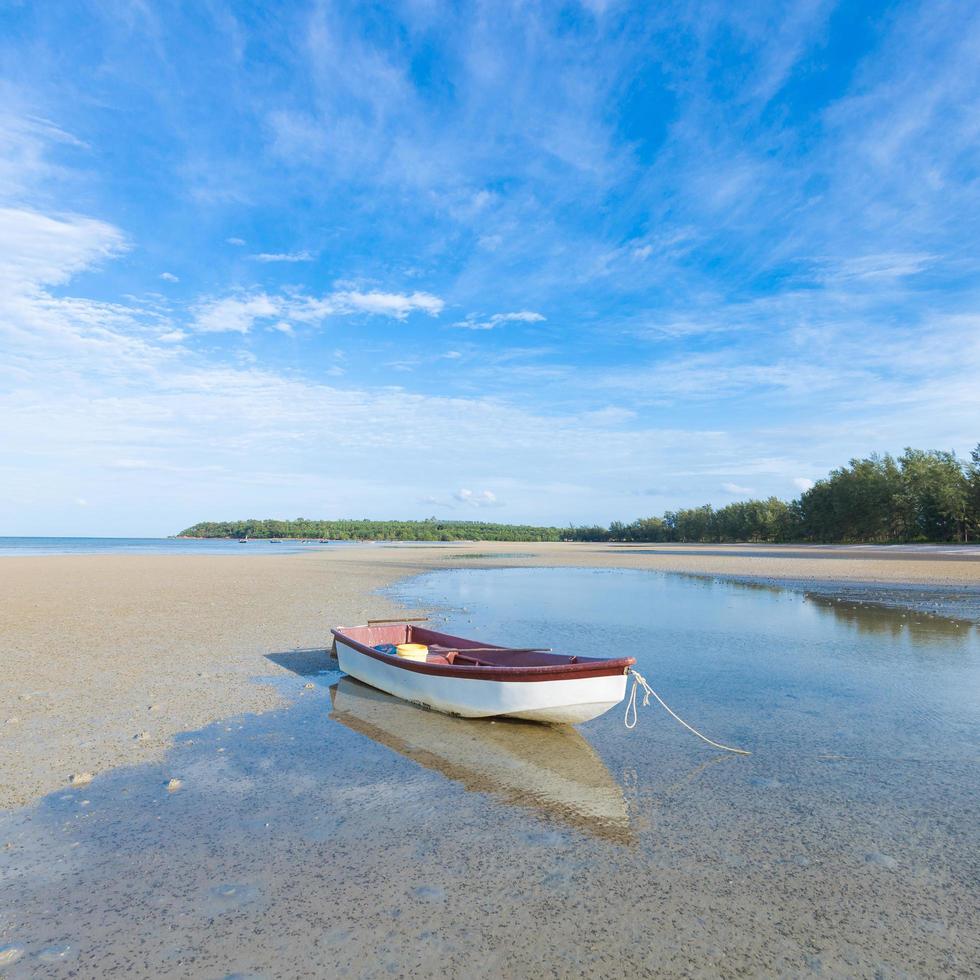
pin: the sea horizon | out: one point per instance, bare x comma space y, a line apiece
20, 545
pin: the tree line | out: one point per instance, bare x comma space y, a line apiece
431, 529
922, 495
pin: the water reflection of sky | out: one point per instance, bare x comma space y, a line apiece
353, 835
781, 670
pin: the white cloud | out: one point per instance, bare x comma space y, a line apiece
241, 312
802, 483
173, 336
346, 302
482, 498
81, 501
303, 256
282, 326
525, 316
41, 250
169, 277
235, 241
734, 488
41, 332
236, 314
474, 322
397, 305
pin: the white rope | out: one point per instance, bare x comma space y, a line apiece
639, 679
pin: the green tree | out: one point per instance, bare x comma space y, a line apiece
935, 495
973, 495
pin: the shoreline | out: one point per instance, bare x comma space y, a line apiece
109, 656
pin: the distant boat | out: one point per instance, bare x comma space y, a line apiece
243, 540
547, 770
477, 680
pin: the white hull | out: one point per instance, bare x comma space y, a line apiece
561, 702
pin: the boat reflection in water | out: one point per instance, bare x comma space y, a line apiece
551, 771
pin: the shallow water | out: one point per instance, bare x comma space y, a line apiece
354, 835
15, 546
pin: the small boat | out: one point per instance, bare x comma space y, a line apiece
479, 680
548, 770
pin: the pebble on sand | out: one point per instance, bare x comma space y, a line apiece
173, 785
882, 860
80, 778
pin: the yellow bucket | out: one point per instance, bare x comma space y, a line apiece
412, 651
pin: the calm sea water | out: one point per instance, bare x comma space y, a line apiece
354, 835
163, 546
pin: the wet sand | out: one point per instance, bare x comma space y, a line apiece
107, 657
352, 834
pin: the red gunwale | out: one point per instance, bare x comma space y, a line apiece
561, 669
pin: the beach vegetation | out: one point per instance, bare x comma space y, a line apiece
920, 496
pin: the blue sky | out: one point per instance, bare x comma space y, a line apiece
536, 262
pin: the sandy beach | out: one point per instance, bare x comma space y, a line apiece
107, 657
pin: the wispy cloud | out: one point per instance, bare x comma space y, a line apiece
396, 305
39, 249
239, 313
476, 322
879, 266
303, 256
735, 489
26, 142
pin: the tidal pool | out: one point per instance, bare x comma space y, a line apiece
354, 835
